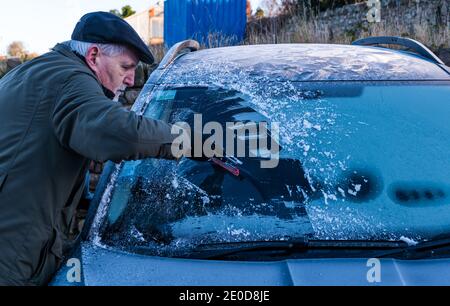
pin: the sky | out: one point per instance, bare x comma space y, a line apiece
40, 24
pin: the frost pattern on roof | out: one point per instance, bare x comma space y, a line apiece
309, 62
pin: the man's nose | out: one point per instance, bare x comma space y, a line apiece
129, 79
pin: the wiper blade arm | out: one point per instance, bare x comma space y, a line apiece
424, 246
219, 250
215, 251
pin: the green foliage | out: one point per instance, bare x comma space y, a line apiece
259, 13
126, 11
116, 12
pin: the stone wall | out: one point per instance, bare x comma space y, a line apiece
411, 13
427, 21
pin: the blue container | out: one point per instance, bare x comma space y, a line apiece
211, 22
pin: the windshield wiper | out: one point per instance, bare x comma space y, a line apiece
303, 244
418, 250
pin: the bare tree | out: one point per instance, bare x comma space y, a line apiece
16, 49
272, 7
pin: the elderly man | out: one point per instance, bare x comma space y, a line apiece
55, 116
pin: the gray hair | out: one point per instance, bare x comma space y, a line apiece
82, 47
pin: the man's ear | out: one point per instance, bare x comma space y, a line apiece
92, 56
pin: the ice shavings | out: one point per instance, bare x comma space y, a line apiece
355, 190
175, 183
238, 231
94, 235
409, 241
332, 222
137, 234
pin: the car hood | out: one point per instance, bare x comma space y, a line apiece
102, 267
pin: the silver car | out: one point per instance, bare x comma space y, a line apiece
360, 194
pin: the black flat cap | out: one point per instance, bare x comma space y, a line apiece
107, 28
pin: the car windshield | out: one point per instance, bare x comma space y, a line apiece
358, 161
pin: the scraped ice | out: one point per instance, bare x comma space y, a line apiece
409, 241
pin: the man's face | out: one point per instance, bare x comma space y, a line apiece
114, 72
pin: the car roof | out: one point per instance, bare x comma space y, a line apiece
310, 62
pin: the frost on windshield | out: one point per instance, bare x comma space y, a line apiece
357, 162
156, 210
310, 128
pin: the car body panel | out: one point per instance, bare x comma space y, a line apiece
307, 62
103, 267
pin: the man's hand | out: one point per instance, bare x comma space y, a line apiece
191, 145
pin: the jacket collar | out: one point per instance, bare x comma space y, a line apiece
64, 50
